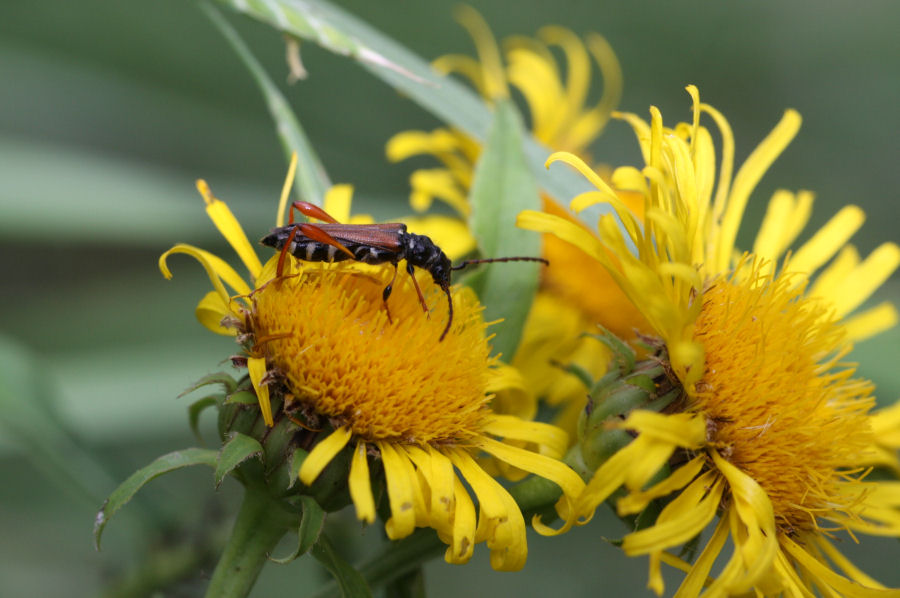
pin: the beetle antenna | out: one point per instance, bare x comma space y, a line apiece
449, 312
466, 263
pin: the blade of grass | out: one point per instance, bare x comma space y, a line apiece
311, 181
338, 31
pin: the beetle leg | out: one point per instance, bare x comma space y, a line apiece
409, 269
310, 211
317, 234
284, 251
387, 293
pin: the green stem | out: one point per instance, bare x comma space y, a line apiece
260, 524
396, 560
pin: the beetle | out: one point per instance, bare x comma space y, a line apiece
331, 241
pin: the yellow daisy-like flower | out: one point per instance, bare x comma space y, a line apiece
772, 433
321, 337
560, 118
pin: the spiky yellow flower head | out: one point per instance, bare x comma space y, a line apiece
555, 96
771, 431
320, 338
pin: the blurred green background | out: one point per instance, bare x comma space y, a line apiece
109, 111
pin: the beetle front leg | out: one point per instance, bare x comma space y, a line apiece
387, 293
412, 275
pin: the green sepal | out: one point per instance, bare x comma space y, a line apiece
242, 397
579, 372
196, 408
311, 523
623, 356
297, 459
222, 378
236, 450
127, 489
352, 584
502, 187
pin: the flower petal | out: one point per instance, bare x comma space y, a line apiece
230, 228
360, 485
216, 268
401, 483
256, 367
322, 454
210, 312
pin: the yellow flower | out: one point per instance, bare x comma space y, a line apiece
772, 432
560, 118
321, 337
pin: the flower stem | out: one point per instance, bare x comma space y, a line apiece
260, 524
394, 561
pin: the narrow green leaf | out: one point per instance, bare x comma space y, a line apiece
503, 186
351, 582
194, 411
127, 489
449, 100
311, 523
237, 449
311, 181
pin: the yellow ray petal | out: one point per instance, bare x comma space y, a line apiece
866, 278
256, 367
230, 228
682, 519
337, 202
871, 322
463, 542
827, 240
360, 486
637, 501
554, 439
401, 478
822, 572
210, 312
286, 191
407, 144
322, 454
466, 66
216, 268
745, 181
488, 52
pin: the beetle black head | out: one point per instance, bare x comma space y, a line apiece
440, 271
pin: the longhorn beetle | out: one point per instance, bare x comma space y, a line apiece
388, 243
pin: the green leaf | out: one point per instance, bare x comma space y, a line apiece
502, 187
351, 582
311, 181
311, 523
448, 99
194, 411
127, 489
237, 449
